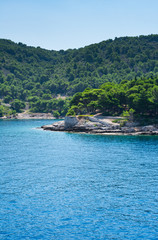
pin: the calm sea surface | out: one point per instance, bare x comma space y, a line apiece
63, 186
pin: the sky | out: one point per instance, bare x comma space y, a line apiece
69, 24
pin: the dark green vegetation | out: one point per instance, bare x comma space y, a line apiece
139, 96
38, 76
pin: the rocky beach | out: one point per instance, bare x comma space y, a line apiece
101, 125
27, 115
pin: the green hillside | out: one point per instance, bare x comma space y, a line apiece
37, 76
138, 96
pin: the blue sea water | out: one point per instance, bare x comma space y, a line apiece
63, 186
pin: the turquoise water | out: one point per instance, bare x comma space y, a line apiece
56, 185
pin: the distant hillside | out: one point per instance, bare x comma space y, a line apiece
34, 72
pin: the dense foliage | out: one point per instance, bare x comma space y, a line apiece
38, 76
139, 95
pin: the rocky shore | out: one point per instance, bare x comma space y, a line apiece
100, 125
26, 115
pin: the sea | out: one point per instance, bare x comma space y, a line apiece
64, 186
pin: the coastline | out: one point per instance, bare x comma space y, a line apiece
27, 116
97, 125
93, 125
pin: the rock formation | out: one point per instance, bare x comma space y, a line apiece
100, 126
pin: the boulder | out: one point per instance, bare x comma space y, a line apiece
149, 128
70, 122
127, 130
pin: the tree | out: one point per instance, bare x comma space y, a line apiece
56, 114
154, 98
71, 112
17, 105
7, 99
1, 111
46, 96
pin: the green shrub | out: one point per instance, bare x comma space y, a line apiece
56, 114
123, 122
71, 112
1, 111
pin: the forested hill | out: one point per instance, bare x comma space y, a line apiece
37, 76
37, 70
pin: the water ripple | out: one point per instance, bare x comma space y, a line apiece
57, 185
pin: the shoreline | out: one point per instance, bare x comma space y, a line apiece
92, 125
106, 133
27, 116
88, 125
